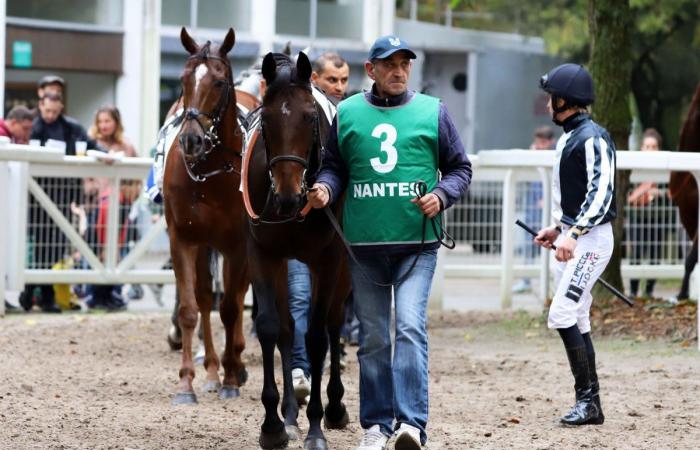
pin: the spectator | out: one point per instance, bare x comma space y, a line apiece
531, 202
50, 83
108, 133
49, 244
17, 125
647, 232
52, 125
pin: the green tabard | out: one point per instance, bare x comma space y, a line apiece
386, 151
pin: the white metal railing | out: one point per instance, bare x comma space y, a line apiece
38, 186
507, 168
483, 223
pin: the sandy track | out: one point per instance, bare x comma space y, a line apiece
105, 382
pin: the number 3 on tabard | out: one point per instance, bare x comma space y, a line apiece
389, 133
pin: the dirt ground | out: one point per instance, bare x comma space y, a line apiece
496, 382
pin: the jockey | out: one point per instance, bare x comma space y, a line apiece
583, 205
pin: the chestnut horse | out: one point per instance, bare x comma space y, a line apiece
684, 189
203, 210
280, 164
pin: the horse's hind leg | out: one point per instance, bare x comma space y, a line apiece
205, 301
317, 347
184, 264
690, 262
231, 311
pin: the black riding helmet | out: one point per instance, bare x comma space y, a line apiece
570, 82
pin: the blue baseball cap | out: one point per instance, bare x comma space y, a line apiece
386, 46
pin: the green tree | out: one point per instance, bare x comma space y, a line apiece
611, 68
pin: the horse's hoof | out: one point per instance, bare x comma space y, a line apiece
174, 341
211, 386
315, 444
293, 432
242, 376
228, 392
336, 421
274, 440
185, 398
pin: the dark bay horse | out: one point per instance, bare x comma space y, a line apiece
279, 168
203, 210
684, 189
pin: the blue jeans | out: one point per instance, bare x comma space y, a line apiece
399, 390
299, 284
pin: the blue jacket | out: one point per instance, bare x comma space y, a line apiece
454, 165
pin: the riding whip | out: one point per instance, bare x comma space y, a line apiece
605, 284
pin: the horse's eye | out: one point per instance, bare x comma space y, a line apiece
220, 83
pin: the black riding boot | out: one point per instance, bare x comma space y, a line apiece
595, 387
585, 410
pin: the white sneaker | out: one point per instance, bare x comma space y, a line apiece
407, 438
199, 357
373, 439
302, 385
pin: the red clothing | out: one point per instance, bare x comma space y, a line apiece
4, 131
101, 226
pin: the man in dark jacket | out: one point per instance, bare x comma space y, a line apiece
52, 124
49, 243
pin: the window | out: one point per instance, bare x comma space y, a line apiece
334, 18
217, 14
93, 12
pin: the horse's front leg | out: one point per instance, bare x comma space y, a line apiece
184, 263
336, 415
205, 301
268, 276
290, 406
231, 310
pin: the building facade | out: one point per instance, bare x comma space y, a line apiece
128, 52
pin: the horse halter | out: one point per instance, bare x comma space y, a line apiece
305, 163
211, 136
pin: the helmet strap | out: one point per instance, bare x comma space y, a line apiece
559, 109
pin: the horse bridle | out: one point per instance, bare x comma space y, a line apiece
211, 136
316, 147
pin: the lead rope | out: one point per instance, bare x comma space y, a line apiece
420, 188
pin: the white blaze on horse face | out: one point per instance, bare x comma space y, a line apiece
284, 110
199, 74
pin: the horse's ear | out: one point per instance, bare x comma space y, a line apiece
303, 67
287, 50
227, 45
269, 68
187, 42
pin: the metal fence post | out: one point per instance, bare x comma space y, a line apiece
4, 235
507, 238
546, 219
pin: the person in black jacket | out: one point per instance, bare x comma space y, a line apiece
47, 242
583, 204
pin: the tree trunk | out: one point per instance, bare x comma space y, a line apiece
610, 23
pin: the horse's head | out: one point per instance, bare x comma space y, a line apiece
291, 130
207, 87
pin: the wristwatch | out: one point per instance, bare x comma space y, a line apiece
574, 232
